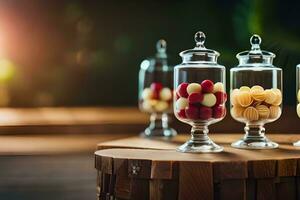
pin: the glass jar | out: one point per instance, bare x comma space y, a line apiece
298, 96
256, 95
156, 92
200, 95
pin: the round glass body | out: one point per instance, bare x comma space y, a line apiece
298, 96
200, 96
156, 93
255, 95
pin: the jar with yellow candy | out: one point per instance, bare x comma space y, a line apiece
256, 95
298, 96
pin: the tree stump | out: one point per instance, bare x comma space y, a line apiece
138, 168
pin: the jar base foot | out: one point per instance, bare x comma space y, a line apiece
207, 146
167, 132
254, 144
297, 144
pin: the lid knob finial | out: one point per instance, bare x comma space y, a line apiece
161, 46
200, 39
255, 42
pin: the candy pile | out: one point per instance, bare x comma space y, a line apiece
256, 103
200, 101
156, 98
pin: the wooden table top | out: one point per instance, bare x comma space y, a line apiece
158, 149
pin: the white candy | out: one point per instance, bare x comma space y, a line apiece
165, 94
193, 87
298, 96
298, 109
161, 106
218, 87
147, 93
209, 100
181, 103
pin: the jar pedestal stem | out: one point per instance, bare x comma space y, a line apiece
159, 126
199, 141
254, 138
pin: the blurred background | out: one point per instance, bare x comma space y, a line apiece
88, 53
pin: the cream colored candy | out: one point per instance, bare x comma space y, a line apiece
149, 104
275, 112
251, 114
147, 93
161, 106
218, 87
298, 96
237, 111
271, 96
278, 100
165, 94
233, 96
244, 99
193, 87
244, 89
209, 100
181, 103
298, 110
263, 111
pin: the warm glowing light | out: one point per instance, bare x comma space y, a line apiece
7, 70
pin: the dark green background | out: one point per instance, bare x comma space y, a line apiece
72, 53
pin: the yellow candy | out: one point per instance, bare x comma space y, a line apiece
161, 106
275, 112
257, 87
271, 96
298, 110
278, 100
263, 111
251, 114
209, 100
181, 103
147, 93
245, 88
244, 99
258, 95
237, 111
233, 96
298, 96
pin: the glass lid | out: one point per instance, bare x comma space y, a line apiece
200, 53
255, 55
161, 47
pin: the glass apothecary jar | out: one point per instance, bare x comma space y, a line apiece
200, 95
256, 95
298, 96
156, 93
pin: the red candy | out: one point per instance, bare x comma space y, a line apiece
195, 98
219, 111
207, 86
181, 90
205, 113
156, 87
192, 112
221, 97
181, 113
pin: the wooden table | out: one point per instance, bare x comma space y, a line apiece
137, 168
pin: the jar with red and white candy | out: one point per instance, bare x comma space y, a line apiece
199, 83
156, 92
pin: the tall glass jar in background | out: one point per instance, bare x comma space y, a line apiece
298, 96
256, 95
156, 92
200, 95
